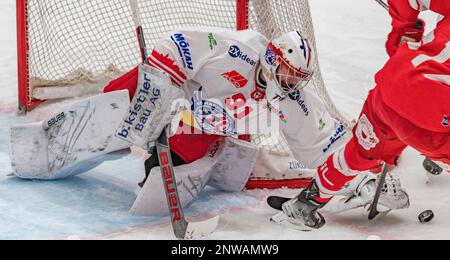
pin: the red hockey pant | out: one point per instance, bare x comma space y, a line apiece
380, 135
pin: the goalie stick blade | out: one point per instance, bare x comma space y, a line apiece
197, 230
380, 215
284, 220
276, 202
193, 230
182, 228
383, 4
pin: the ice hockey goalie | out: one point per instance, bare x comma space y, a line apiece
234, 83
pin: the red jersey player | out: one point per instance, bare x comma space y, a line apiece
410, 106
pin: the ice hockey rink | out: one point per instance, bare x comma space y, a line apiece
350, 36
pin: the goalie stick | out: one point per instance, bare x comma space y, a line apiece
383, 4
181, 227
419, 24
276, 202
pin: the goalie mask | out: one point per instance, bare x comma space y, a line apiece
287, 64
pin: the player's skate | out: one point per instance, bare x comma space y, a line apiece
301, 212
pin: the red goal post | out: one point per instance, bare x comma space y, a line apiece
26, 101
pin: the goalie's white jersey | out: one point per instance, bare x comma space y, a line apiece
217, 69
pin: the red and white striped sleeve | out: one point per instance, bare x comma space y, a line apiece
180, 54
166, 62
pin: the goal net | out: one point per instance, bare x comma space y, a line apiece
71, 48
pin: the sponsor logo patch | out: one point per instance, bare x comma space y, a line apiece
145, 102
321, 125
55, 121
212, 41
296, 165
297, 97
211, 117
367, 137
236, 52
183, 49
170, 186
270, 57
340, 132
276, 111
235, 78
212, 153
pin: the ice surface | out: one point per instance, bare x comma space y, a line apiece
350, 37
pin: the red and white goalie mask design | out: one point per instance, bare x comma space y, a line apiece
287, 64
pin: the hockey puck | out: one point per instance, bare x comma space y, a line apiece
431, 167
426, 216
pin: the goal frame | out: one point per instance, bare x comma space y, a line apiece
25, 101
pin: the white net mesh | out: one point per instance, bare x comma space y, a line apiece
84, 42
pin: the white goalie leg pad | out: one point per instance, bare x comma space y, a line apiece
237, 161
226, 166
71, 142
156, 104
361, 191
191, 179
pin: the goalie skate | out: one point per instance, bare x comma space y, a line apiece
292, 223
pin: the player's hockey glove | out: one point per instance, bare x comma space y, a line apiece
397, 36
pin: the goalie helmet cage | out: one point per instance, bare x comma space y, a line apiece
70, 48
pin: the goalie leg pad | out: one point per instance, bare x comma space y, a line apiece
232, 171
280, 166
226, 166
71, 142
191, 179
